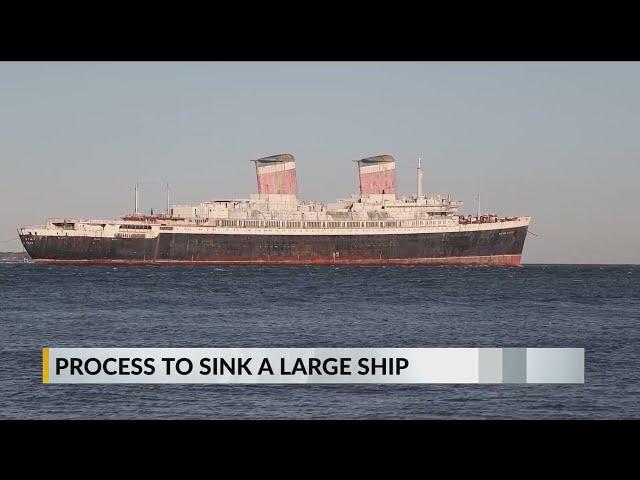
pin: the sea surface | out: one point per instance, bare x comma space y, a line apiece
590, 306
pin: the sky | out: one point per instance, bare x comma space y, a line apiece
559, 141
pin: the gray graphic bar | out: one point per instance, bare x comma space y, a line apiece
514, 365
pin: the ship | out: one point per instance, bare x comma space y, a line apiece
274, 227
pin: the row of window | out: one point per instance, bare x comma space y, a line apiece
135, 227
295, 224
130, 235
285, 224
228, 223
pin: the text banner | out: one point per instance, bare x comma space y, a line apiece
313, 365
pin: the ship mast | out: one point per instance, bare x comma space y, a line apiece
136, 201
420, 174
137, 194
167, 198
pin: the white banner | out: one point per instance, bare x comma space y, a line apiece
312, 365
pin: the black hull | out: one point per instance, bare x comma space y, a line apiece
494, 247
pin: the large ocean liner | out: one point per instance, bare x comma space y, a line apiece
374, 227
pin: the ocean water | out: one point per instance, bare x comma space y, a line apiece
590, 306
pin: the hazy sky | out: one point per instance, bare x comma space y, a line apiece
557, 141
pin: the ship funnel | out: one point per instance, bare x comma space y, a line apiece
276, 175
377, 175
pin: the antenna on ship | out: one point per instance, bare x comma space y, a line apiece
156, 181
136, 204
478, 198
168, 198
420, 174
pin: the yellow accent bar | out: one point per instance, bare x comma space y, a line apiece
45, 365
